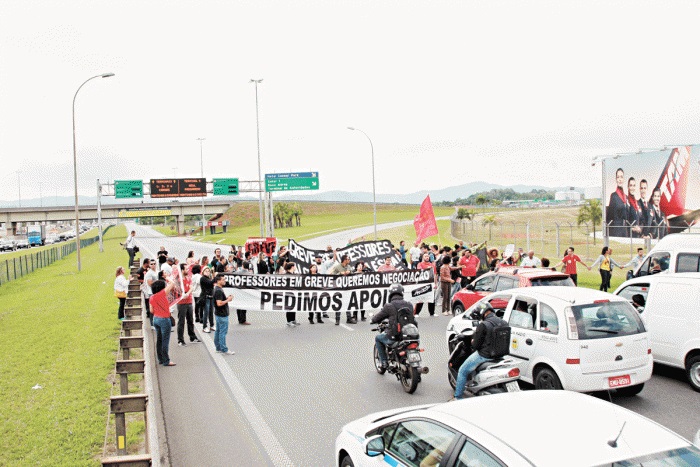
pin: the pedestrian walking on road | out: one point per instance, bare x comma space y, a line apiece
184, 310
313, 270
121, 285
221, 312
446, 282
161, 319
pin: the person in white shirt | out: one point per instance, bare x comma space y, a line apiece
531, 261
148, 279
196, 292
129, 245
415, 254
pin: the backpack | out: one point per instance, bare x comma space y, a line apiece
499, 339
404, 316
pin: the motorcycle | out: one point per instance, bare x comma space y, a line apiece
492, 377
403, 357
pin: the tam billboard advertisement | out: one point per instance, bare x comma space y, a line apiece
651, 194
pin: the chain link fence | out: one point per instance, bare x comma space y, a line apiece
550, 239
20, 266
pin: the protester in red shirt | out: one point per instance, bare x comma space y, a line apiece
470, 264
570, 261
160, 309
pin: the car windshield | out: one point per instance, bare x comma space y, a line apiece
606, 319
565, 281
683, 457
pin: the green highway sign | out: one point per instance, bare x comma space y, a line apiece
291, 181
225, 186
128, 188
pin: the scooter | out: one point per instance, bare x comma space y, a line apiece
403, 356
492, 377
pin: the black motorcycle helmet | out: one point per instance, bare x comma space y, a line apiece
481, 309
395, 290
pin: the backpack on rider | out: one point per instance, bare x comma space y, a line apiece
499, 337
404, 316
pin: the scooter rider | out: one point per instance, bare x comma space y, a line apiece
390, 312
482, 344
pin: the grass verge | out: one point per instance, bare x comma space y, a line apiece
60, 332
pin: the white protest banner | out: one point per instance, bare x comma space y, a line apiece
372, 253
325, 293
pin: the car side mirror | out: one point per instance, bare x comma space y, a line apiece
470, 287
374, 446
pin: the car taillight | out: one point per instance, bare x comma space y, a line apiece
514, 372
573, 361
601, 301
572, 328
412, 346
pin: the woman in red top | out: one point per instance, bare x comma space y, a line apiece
425, 264
160, 309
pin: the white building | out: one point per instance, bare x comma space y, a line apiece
571, 195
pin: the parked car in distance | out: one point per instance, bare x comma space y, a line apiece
674, 253
572, 338
566, 428
7, 244
504, 278
670, 309
23, 243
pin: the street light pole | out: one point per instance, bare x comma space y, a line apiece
257, 124
201, 163
374, 190
75, 169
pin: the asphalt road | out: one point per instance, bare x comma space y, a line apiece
285, 395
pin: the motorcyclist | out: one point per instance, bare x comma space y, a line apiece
389, 311
481, 343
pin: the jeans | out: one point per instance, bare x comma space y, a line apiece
184, 313
147, 302
122, 302
467, 367
381, 340
605, 279
456, 287
220, 333
131, 256
207, 312
162, 326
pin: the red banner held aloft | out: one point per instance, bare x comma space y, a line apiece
424, 222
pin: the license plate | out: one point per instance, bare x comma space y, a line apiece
512, 386
619, 381
413, 357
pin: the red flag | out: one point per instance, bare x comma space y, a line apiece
424, 222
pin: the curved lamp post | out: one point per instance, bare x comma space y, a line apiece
257, 124
374, 191
75, 170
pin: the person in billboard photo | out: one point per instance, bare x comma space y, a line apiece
634, 211
644, 208
657, 219
616, 212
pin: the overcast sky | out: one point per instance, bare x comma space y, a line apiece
449, 91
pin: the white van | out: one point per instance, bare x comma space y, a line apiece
671, 313
674, 253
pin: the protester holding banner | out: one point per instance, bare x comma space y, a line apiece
240, 313
290, 268
426, 264
343, 268
360, 269
262, 264
313, 270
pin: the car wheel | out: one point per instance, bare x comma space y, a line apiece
630, 391
692, 368
547, 379
346, 462
457, 308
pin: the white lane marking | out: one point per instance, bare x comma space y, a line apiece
346, 327
262, 430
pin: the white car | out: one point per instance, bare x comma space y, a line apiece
572, 338
670, 308
542, 428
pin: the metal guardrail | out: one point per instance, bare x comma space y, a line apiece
18, 267
143, 402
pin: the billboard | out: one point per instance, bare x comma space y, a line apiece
650, 194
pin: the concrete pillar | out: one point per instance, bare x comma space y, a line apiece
14, 227
180, 224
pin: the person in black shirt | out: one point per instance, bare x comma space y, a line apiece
206, 296
162, 256
221, 302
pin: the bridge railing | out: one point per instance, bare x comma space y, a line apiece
20, 266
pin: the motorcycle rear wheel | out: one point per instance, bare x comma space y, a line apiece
378, 362
410, 379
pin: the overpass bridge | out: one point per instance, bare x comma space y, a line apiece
14, 217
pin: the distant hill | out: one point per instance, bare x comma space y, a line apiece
443, 194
